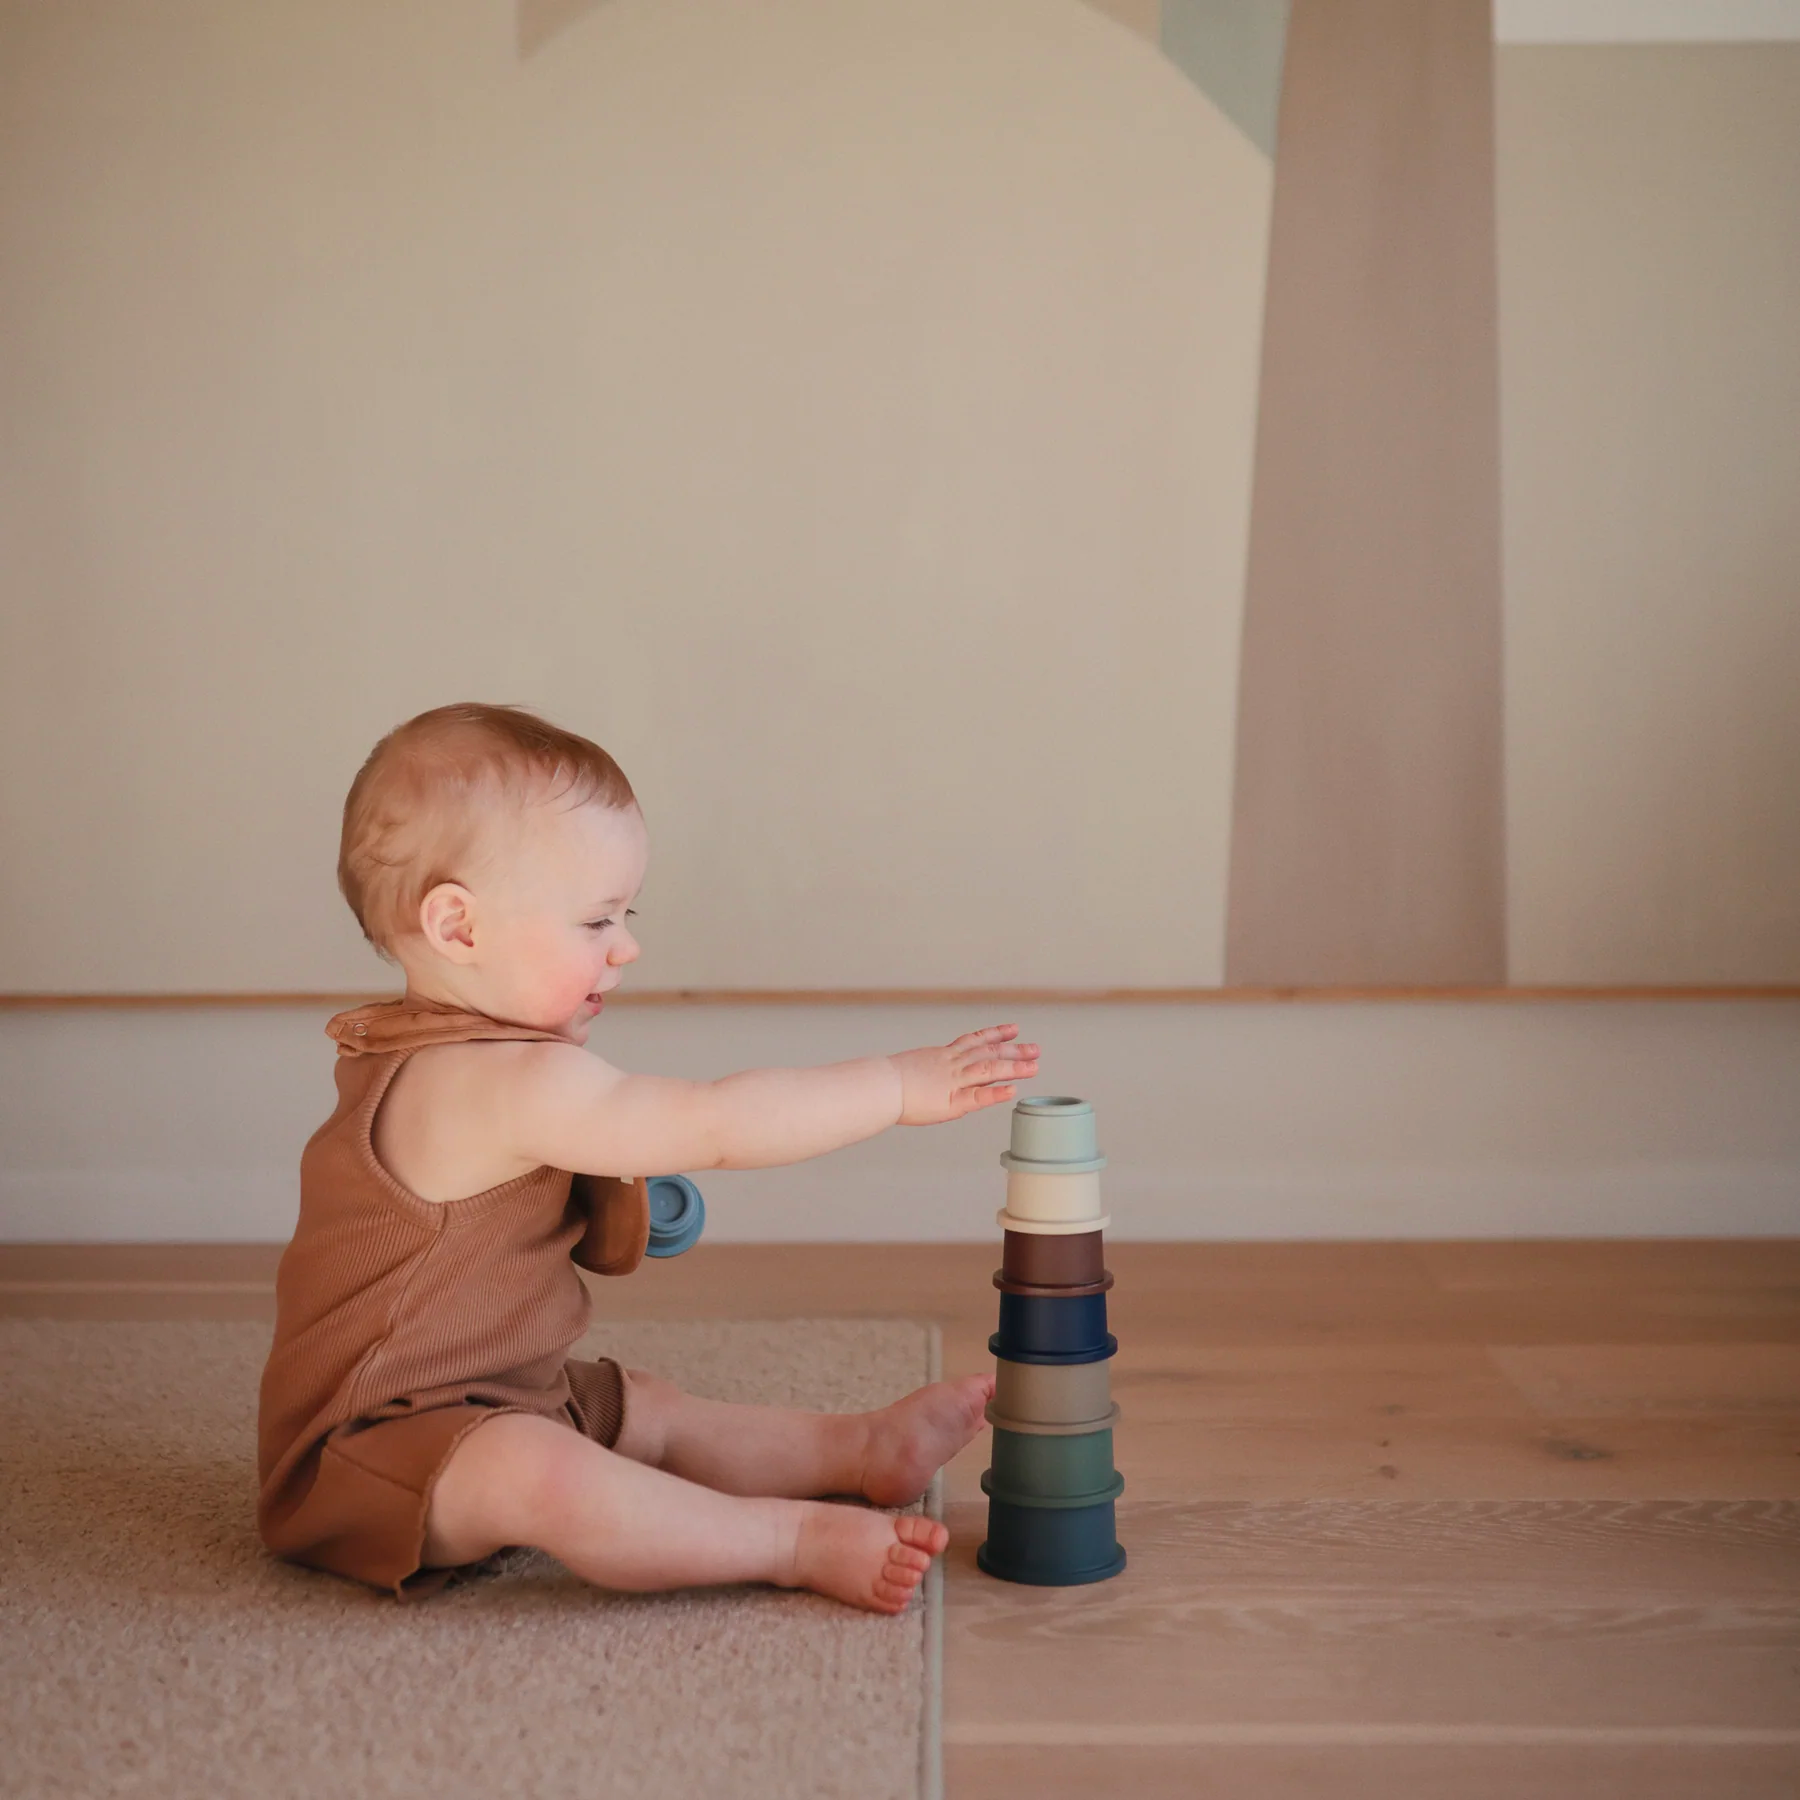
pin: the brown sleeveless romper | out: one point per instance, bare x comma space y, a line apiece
401, 1324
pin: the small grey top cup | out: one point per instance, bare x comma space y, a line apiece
1054, 1128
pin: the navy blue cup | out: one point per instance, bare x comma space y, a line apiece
999, 1346
1051, 1546
1052, 1324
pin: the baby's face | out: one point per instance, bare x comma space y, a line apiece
548, 932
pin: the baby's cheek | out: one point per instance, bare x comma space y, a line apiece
555, 983
569, 988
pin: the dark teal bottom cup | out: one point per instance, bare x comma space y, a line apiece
1051, 1545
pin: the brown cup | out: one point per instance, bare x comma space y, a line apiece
1053, 1293
1060, 1260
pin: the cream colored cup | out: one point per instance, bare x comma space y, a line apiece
1053, 1199
1009, 1221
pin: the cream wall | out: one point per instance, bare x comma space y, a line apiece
841, 410
844, 411
1649, 227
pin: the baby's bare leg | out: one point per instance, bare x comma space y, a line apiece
888, 1456
521, 1479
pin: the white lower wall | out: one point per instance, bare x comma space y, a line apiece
1219, 1121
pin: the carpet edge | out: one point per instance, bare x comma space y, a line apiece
931, 1735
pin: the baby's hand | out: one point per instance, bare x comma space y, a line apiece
977, 1070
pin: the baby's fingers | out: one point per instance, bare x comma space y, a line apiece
996, 1068
980, 1055
1009, 1066
988, 1034
976, 1098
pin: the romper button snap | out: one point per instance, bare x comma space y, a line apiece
360, 1030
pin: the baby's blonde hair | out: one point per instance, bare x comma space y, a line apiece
417, 808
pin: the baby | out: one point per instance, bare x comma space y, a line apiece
419, 1410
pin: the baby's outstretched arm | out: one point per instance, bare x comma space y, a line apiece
697, 1490
558, 1105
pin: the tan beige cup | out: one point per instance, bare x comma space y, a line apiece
1078, 1394
1034, 1428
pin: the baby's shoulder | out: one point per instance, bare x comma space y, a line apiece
449, 1124
497, 1075
490, 1061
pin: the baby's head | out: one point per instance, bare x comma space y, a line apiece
491, 855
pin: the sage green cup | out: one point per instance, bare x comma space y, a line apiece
1054, 1134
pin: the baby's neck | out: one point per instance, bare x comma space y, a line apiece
423, 992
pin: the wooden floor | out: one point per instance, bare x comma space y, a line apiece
1448, 1519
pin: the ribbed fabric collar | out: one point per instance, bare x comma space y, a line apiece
407, 1024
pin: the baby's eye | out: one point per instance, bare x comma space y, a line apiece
601, 924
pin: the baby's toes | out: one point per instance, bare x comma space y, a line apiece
921, 1533
896, 1583
904, 1556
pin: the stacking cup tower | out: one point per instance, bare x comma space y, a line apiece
1052, 1484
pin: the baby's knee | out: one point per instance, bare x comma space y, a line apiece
496, 1486
650, 1402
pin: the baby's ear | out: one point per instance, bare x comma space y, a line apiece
447, 921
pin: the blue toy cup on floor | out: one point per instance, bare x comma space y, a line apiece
1051, 1324
677, 1215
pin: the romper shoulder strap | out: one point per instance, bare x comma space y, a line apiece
384, 1026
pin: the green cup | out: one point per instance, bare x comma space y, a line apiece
1054, 1133
1052, 1467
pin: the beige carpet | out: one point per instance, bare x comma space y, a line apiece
148, 1645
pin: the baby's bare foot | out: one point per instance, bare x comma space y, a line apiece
870, 1559
912, 1439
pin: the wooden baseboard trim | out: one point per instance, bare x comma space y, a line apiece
112, 1267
